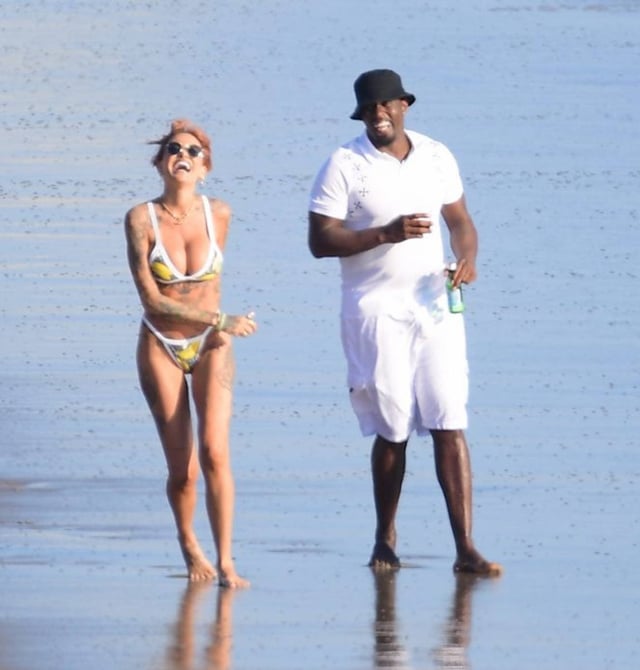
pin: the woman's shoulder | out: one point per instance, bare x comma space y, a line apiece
138, 214
220, 209
137, 223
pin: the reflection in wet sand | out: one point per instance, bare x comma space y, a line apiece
389, 651
183, 653
219, 650
450, 654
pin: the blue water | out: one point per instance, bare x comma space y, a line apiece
539, 102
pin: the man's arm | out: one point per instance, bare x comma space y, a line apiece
330, 237
463, 238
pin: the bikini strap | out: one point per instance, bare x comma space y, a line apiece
208, 217
154, 220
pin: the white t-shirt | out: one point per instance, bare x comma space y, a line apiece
367, 188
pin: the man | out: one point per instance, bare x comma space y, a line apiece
376, 205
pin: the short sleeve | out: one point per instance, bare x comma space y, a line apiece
329, 193
452, 188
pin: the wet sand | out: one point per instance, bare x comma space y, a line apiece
539, 103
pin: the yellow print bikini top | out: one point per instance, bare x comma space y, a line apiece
163, 269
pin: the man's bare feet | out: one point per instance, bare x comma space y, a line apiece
230, 579
383, 557
474, 564
198, 566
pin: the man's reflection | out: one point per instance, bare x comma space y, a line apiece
182, 654
389, 651
451, 653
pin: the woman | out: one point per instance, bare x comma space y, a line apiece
174, 246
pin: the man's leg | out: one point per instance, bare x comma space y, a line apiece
453, 468
387, 469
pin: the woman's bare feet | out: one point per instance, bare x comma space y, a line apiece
198, 566
229, 578
473, 563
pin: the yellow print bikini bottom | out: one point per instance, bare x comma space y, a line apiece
184, 352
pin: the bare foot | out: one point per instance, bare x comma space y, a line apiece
230, 579
198, 566
474, 564
383, 557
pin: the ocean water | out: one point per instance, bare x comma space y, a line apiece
539, 102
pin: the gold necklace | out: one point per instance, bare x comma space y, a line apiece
178, 219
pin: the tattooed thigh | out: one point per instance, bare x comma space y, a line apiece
225, 370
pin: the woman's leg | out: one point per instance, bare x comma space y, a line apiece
212, 381
165, 388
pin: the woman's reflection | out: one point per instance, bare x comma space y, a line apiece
451, 653
219, 649
182, 654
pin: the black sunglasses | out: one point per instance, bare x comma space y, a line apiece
174, 148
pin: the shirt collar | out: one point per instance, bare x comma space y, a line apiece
370, 151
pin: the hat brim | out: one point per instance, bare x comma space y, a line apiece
357, 114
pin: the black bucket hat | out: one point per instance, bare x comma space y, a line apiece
378, 86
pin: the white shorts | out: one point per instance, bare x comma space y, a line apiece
403, 376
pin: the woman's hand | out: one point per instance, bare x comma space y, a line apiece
240, 326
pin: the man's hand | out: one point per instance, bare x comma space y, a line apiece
465, 272
407, 227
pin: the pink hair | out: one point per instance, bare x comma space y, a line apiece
183, 126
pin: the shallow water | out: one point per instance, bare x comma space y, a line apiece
539, 103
